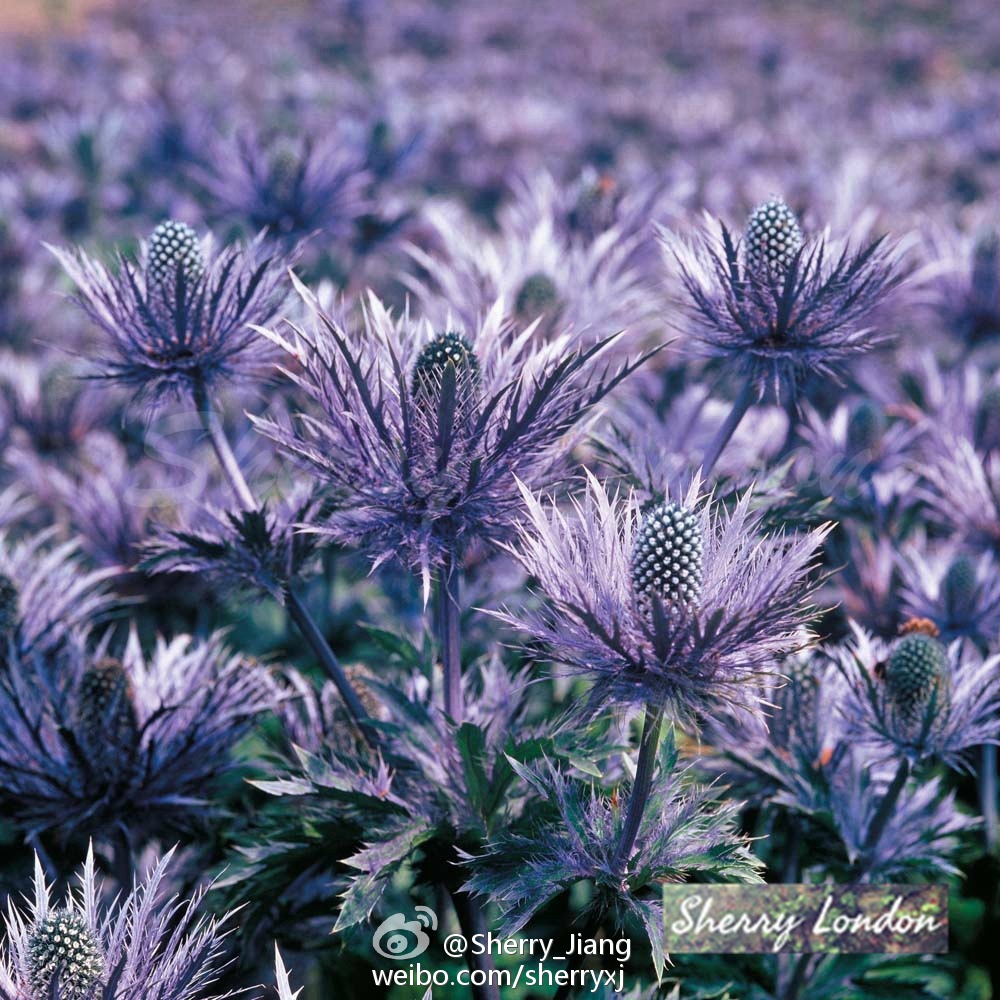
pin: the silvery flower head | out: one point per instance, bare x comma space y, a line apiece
142, 944
677, 605
419, 433
957, 589
777, 306
292, 188
135, 741
46, 595
963, 285
917, 698
593, 286
687, 832
261, 550
178, 320
922, 835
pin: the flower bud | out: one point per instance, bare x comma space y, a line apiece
772, 238
960, 587
104, 714
667, 555
174, 249
537, 295
915, 673
444, 351
62, 947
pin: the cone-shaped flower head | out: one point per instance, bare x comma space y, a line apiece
105, 717
423, 435
917, 697
796, 699
777, 308
446, 352
865, 427
960, 586
174, 248
773, 237
680, 607
10, 599
179, 320
63, 948
986, 429
667, 555
916, 674
144, 942
537, 295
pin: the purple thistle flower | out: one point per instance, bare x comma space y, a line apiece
46, 412
179, 320
420, 435
917, 698
963, 493
921, 835
292, 188
643, 647
256, 549
687, 833
45, 595
131, 741
959, 591
963, 285
806, 759
593, 287
801, 314
142, 944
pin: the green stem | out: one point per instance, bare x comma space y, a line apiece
297, 611
887, 805
306, 624
223, 451
988, 794
798, 977
648, 745
472, 920
741, 404
448, 626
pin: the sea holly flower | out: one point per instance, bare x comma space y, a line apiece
963, 285
675, 608
778, 307
915, 698
141, 944
261, 550
592, 284
94, 740
419, 434
688, 834
179, 319
46, 595
291, 189
958, 590
963, 492
806, 760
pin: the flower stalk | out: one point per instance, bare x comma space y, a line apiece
649, 743
988, 794
741, 405
297, 611
887, 805
448, 627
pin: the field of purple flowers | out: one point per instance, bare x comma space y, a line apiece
498, 459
